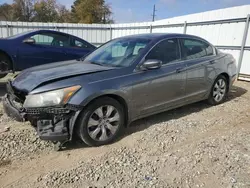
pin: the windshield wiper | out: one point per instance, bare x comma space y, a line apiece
105, 64
83, 57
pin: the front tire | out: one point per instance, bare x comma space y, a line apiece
219, 91
101, 122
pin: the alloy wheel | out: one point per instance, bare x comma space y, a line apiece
219, 90
103, 123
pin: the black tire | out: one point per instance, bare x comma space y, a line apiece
5, 64
82, 123
212, 100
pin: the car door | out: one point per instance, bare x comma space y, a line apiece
48, 48
164, 88
78, 48
198, 56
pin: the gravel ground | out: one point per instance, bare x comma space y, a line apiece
194, 146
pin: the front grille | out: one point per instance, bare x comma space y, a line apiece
73, 107
37, 111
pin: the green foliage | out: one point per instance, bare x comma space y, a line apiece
23, 10
45, 11
91, 11
82, 11
6, 12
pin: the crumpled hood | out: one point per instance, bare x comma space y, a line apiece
33, 77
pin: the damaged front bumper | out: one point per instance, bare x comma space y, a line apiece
11, 110
52, 123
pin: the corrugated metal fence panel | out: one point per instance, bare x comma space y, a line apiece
245, 67
168, 30
3, 29
220, 34
226, 13
119, 30
248, 37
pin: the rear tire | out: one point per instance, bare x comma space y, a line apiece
219, 91
5, 64
101, 122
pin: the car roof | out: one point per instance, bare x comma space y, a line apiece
160, 35
36, 31
51, 31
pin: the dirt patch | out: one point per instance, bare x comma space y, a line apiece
194, 146
5, 162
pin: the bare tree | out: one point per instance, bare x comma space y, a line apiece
23, 9
6, 11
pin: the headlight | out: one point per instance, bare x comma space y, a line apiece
50, 98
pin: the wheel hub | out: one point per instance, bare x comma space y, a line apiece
103, 123
219, 90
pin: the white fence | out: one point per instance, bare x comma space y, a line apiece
226, 28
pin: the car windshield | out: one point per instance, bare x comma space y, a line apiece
118, 53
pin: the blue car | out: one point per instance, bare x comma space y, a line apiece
39, 47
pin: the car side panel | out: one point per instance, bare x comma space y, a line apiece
223, 64
30, 55
198, 71
159, 89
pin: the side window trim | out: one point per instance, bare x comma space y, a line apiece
40, 33
137, 67
200, 40
48, 34
64, 35
73, 39
179, 50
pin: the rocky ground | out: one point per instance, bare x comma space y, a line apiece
193, 146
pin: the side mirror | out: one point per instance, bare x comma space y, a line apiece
29, 41
151, 64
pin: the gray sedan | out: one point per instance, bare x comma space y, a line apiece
127, 78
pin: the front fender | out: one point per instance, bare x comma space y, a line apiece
10, 52
90, 92
87, 100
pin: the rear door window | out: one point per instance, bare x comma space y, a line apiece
193, 49
76, 43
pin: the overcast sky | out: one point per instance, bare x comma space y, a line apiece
141, 10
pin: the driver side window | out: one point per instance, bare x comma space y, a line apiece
167, 51
51, 39
42, 39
